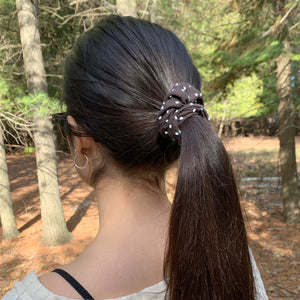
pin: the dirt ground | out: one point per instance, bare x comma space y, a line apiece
275, 245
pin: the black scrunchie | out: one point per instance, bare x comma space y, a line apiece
183, 102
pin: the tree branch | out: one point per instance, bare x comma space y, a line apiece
294, 26
273, 28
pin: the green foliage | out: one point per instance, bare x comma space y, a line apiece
295, 57
11, 64
38, 104
4, 96
252, 47
29, 150
29, 105
241, 100
7, 5
267, 72
7, 95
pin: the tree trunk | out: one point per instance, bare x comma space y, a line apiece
288, 166
9, 226
223, 119
54, 226
55, 231
126, 7
153, 11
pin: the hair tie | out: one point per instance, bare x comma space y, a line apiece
183, 102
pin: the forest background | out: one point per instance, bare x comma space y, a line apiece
247, 52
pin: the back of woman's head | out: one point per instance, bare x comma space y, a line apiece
116, 79
116, 83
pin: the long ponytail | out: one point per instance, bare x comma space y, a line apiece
207, 255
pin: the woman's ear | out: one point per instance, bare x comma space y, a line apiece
88, 155
83, 144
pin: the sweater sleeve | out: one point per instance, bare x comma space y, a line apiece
31, 289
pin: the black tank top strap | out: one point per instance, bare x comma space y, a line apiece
74, 283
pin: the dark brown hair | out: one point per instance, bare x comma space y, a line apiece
116, 79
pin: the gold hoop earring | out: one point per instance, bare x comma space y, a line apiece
75, 163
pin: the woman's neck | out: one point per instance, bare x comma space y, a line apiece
128, 205
127, 253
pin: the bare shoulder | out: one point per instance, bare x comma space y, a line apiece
57, 285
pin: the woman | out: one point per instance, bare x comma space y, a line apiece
135, 109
